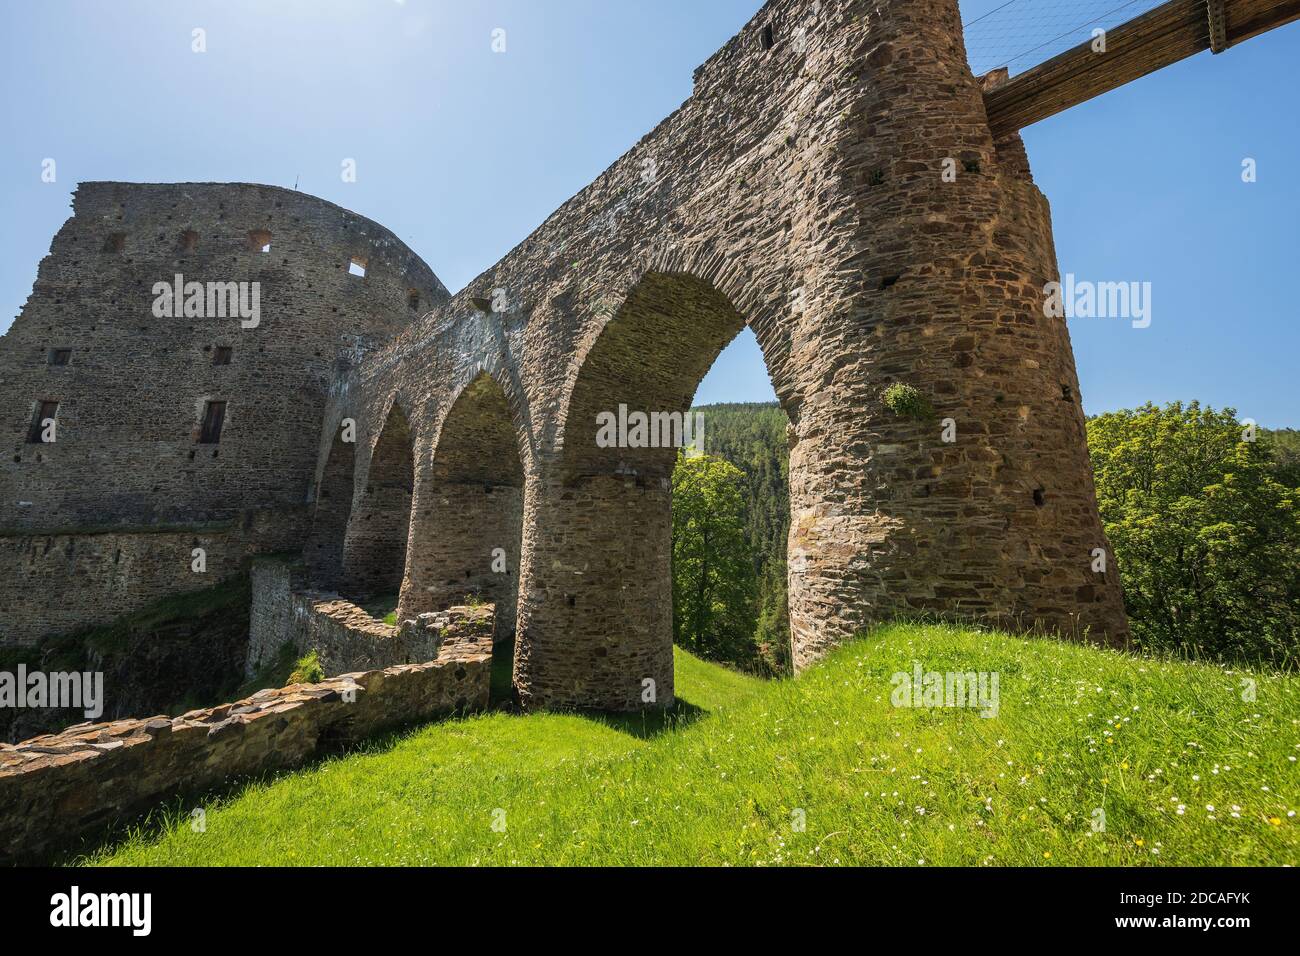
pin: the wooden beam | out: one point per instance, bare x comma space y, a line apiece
1171, 32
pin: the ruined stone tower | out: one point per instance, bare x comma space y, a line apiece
106, 517
833, 183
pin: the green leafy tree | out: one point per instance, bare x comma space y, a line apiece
715, 591
753, 437
1208, 541
1285, 443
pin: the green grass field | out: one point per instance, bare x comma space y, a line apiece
1184, 770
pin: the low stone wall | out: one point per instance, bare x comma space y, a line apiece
58, 788
344, 636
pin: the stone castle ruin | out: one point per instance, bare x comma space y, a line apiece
390, 438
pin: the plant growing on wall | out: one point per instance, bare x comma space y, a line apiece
908, 402
307, 670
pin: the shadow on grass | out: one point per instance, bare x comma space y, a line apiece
646, 724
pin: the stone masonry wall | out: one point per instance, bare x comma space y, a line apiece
56, 789
270, 616
375, 546
468, 529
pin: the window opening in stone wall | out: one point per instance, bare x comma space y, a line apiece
214, 417
259, 240
357, 267
60, 356
413, 300
189, 240
116, 242
221, 355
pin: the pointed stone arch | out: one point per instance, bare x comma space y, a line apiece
375, 548
595, 626
465, 536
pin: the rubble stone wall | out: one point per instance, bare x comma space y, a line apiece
68, 580
344, 636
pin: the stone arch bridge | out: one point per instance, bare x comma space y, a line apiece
834, 183
799, 192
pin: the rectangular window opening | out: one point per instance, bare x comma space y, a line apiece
357, 267
413, 300
221, 354
43, 423
60, 356
214, 416
259, 240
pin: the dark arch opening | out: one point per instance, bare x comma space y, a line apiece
466, 534
375, 549
323, 553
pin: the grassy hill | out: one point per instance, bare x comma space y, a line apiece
1185, 771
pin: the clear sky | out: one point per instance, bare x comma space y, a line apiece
462, 152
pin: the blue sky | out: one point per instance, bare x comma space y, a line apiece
463, 152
